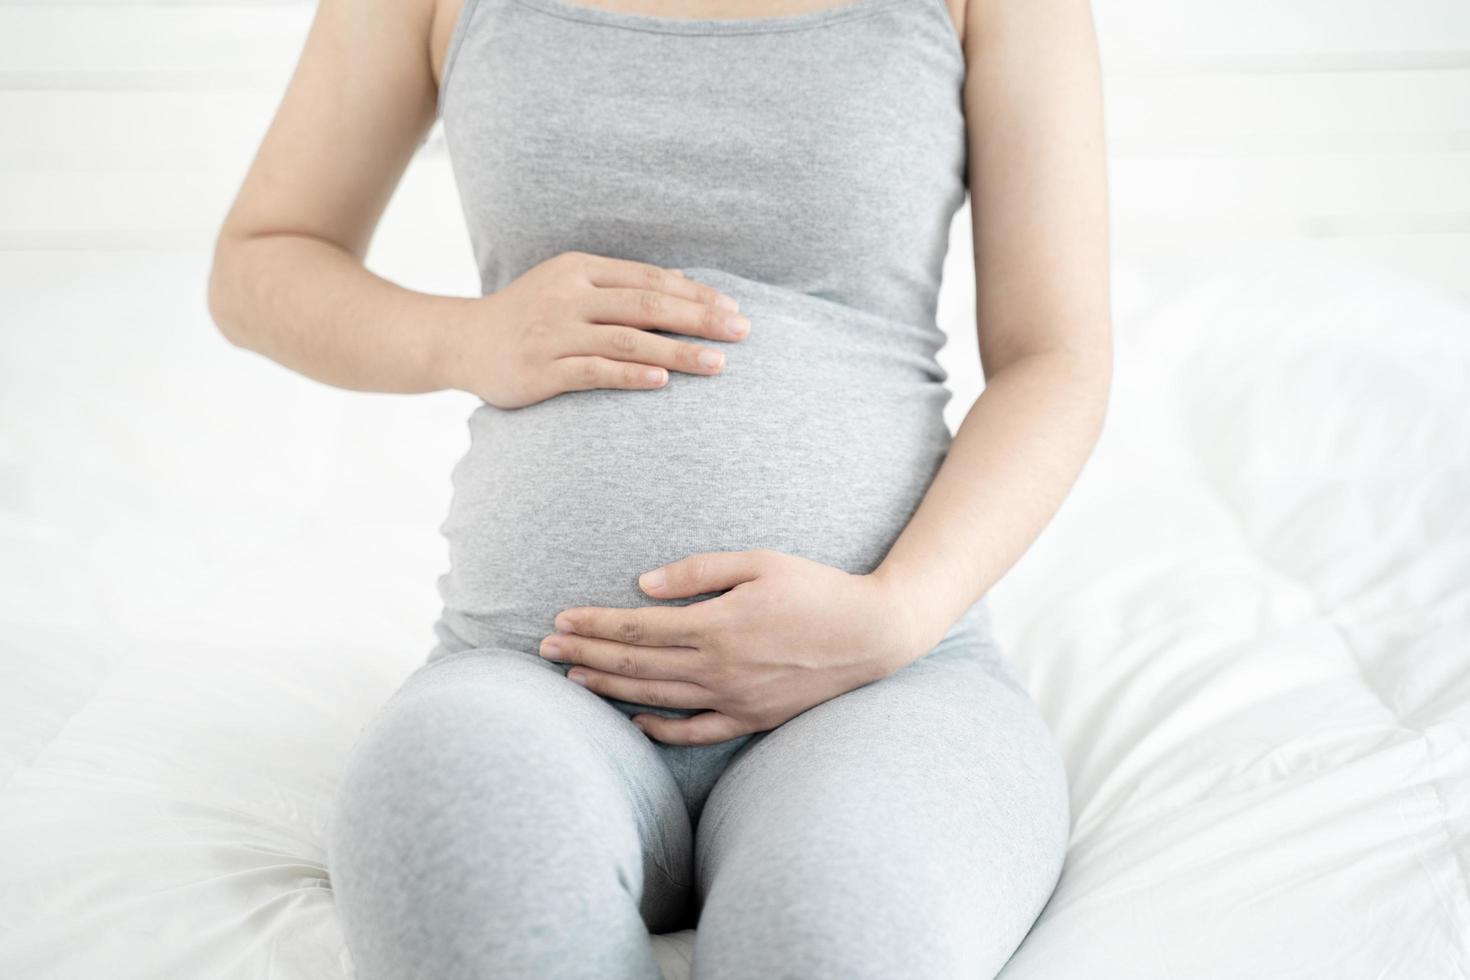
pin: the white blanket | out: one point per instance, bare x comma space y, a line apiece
1249, 627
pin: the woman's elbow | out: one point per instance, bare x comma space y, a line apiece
220, 291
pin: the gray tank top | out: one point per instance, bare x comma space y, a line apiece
810, 165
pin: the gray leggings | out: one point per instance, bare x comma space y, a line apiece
497, 820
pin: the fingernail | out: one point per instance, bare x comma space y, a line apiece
710, 358
550, 648
577, 678
653, 579
727, 302
739, 326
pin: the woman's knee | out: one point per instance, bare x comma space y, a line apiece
912, 828
470, 807
843, 911
835, 896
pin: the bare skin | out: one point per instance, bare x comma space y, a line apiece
288, 282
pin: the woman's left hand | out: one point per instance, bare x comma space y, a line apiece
789, 634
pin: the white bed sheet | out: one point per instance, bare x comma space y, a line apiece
1249, 627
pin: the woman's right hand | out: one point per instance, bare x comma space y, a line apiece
578, 321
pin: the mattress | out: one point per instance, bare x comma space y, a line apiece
1249, 627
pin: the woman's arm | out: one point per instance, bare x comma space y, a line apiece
287, 279
1038, 186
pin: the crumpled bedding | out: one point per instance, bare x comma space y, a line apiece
1249, 627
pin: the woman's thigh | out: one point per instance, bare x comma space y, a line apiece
495, 819
913, 827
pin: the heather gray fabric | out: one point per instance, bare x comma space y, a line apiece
497, 819
811, 167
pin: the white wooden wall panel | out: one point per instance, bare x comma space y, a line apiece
1209, 115
55, 44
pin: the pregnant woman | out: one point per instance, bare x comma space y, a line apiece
715, 650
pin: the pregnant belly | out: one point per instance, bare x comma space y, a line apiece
819, 439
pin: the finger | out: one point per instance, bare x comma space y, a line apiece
660, 694
654, 626
607, 271
579, 372
610, 656
709, 571
630, 344
705, 728
651, 309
